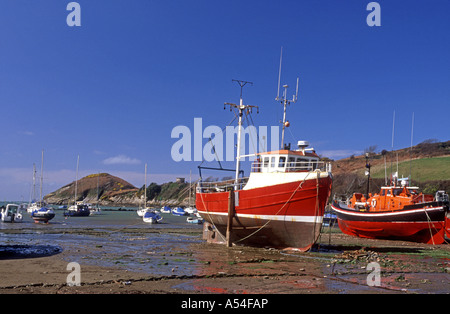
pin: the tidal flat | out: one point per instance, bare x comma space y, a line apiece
118, 253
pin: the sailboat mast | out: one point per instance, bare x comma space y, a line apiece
410, 149
42, 176
392, 148
145, 187
76, 181
98, 179
33, 196
190, 186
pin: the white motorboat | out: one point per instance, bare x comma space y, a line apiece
11, 213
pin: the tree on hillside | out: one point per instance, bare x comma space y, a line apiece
370, 150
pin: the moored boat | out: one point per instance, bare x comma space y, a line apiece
196, 219
399, 212
151, 217
39, 210
281, 204
11, 213
79, 209
178, 211
141, 211
42, 214
166, 210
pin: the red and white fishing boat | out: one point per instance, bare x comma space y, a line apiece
399, 212
281, 204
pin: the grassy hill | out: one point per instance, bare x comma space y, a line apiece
424, 169
429, 163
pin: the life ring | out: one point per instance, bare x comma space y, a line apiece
374, 203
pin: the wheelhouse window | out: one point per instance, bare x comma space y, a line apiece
266, 162
282, 162
272, 162
302, 164
291, 163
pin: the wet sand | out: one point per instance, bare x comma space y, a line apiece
336, 265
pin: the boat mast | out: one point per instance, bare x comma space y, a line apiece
76, 181
241, 107
145, 187
33, 192
284, 99
368, 174
98, 179
42, 178
410, 149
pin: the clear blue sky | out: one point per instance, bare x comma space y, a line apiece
118, 85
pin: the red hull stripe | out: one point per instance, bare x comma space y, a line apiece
316, 219
382, 214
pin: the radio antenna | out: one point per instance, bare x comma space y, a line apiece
279, 74
284, 100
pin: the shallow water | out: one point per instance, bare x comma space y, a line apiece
112, 238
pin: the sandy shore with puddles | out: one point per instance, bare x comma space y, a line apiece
117, 255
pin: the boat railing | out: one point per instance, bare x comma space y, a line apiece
220, 186
290, 166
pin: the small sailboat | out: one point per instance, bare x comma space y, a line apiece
11, 213
191, 210
42, 214
196, 219
148, 215
95, 210
141, 211
78, 209
178, 211
166, 210
151, 217
39, 210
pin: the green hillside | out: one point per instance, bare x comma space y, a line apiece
425, 169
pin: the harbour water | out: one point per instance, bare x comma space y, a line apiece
112, 238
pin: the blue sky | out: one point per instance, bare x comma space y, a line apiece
113, 89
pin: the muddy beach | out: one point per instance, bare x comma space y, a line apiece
178, 261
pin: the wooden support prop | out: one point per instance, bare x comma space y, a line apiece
230, 217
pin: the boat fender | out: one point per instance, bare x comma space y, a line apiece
374, 203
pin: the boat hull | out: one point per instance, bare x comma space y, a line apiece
283, 216
151, 217
42, 217
420, 223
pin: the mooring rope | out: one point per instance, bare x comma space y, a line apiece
270, 220
431, 224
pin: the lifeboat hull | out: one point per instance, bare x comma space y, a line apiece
424, 224
283, 216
